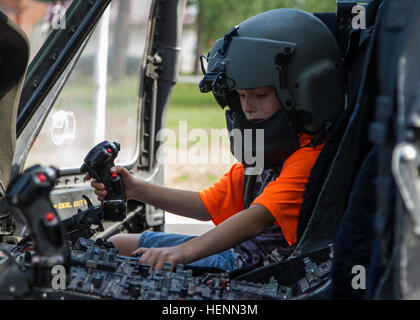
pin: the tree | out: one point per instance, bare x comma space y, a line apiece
219, 16
120, 41
199, 32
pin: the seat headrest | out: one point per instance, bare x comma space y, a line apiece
13, 54
14, 58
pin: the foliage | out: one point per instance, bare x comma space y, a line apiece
219, 16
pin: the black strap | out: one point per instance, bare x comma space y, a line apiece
343, 23
252, 189
249, 185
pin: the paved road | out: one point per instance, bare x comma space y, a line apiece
190, 79
176, 224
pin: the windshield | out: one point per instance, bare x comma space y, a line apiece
37, 18
100, 99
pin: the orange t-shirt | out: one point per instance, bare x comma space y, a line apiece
283, 197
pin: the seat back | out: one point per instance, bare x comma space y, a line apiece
14, 57
332, 176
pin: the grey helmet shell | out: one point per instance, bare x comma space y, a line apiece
291, 50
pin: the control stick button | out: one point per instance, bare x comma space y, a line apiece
49, 216
42, 177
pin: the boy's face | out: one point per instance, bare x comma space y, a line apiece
259, 104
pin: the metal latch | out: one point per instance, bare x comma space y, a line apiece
152, 66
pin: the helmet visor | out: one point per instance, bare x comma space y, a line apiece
250, 62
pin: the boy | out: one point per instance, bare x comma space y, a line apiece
278, 71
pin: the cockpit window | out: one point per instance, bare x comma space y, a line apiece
37, 18
100, 99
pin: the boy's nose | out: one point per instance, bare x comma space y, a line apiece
248, 107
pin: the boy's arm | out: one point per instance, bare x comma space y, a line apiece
181, 202
240, 227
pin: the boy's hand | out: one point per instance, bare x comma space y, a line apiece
127, 183
158, 256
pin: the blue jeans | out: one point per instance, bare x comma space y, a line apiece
223, 260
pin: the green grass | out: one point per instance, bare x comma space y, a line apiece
187, 103
212, 178
200, 110
185, 177
188, 94
122, 95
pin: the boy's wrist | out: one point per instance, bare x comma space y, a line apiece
135, 192
188, 251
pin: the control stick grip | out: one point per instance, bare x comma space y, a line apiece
98, 163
